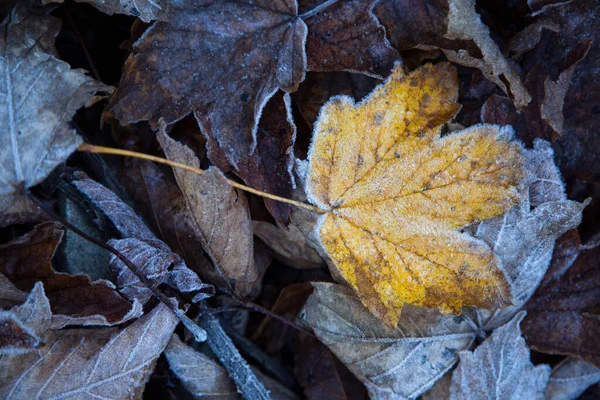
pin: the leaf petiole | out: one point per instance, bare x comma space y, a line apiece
90, 148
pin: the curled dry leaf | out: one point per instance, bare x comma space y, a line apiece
523, 238
393, 363
291, 247
146, 10
15, 336
451, 26
153, 257
75, 299
85, 363
393, 194
39, 94
221, 220
562, 315
570, 378
499, 368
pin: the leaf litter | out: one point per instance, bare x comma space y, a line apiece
454, 244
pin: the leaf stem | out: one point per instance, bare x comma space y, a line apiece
318, 9
90, 148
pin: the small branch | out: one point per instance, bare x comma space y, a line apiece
90, 148
198, 332
318, 9
239, 370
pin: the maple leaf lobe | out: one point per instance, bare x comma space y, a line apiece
396, 192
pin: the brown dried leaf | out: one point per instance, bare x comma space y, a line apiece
220, 60
15, 336
86, 363
562, 315
221, 220
39, 94
451, 26
269, 168
499, 368
392, 363
10, 296
291, 247
75, 300
346, 36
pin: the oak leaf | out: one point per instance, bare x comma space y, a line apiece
394, 193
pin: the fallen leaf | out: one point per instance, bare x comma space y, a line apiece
146, 10
570, 378
221, 220
39, 95
10, 296
523, 238
562, 315
321, 374
269, 168
75, 299
291, 247
499, 368
153, 257
392, 363
455, 27
393, 194
86, 363
15, 336
346, 36
179, 68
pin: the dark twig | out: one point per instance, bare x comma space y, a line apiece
83, 46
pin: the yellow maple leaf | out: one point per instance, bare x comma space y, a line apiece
395, 192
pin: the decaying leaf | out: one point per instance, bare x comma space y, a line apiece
291, 247
220, 60
562, 315
39, 94
221, 219
153, 257
451, 26
85, 363
570, 378
146, 10
393, 363
394, 193
75, 299
499, 368
523, 238
346, 36
15, 336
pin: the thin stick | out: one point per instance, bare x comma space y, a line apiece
90, 148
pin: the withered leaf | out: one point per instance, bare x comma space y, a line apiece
393, 194
523, 238
221, 220
291, 247
221, 61
87, 363
10, 296
39, 94
155, 260
392, 363
269, 168
499, 368
146, 10
451, 26
346, 36
75, 299
15, 336
562, 315
570, 378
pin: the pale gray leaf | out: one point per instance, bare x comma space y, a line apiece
393, 364
89, 363
221, 219
499, 368
39, 94
146, 10
570, 378
523, 238
10, 296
